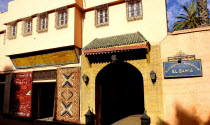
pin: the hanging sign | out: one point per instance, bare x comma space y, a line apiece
184, 68
21, 95
67, 95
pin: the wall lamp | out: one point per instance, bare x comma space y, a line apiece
153, 76
85, 78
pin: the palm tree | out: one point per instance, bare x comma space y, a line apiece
188, 20
203, 12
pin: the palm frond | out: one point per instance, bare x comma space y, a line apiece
186, 9
188, 20
181, 17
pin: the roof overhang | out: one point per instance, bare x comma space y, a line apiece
50, 57
119, 43
116, 49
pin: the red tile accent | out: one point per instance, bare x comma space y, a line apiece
113, 49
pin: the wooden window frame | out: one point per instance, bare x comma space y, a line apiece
102, 15
42, 22
61, 13
27, 26
12, 30
137, 12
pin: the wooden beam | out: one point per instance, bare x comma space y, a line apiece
7, 94
109, 4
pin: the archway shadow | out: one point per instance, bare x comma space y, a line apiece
119, 93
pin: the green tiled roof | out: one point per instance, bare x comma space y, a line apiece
118, 40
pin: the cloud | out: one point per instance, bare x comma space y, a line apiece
2, 7
174, 9
169, 1
183, 2
172, 12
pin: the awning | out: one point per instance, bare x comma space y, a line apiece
117, 43
56, 56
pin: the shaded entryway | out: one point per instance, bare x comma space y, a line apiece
2, 86
119, 93
43, 100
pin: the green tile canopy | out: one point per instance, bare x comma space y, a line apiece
116, 43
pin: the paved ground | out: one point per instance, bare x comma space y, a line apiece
16, 122
4, 121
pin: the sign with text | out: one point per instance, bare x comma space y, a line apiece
190, 68
21, 98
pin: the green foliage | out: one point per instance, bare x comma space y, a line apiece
188, 20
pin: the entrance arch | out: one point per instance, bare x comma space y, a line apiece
119, 93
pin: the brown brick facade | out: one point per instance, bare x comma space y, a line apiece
152, 92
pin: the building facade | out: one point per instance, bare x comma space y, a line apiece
41, 43
120, 49
114, 58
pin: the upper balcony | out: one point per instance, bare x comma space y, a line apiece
93, 3
18, 9
53, 36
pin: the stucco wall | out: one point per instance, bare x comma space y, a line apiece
6, 63
38, 41
53, 38
18, 9
92, 3
78, 27
2, 26
153, 26
187, 99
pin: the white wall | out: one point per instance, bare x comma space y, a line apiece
38, 41
153, 26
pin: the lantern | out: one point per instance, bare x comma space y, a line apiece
145, 119
89, 118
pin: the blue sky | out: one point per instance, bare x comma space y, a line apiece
173, 9
3, 5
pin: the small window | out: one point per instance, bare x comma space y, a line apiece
12, 30
27, 26
134, 10
101, 16
42, 22
61, 18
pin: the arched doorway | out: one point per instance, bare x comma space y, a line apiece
119, 93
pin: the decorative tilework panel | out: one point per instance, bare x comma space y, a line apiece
21, 95
67, 95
